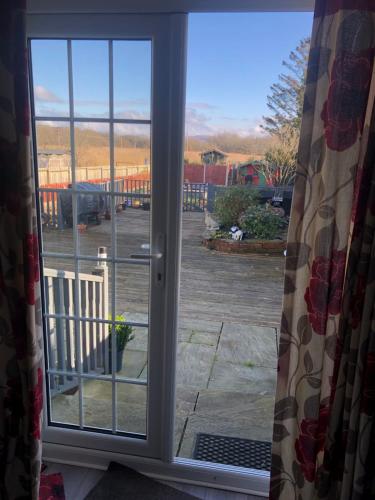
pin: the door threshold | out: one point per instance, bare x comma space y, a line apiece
206, 474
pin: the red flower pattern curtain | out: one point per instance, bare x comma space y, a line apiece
21, 376
324, 430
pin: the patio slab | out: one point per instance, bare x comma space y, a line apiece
134, 363
196, 324
243, 379
228, 413
248, 344
204, 338
194, 364
186, 398
140, 341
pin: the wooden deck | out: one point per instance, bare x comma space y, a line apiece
244, 289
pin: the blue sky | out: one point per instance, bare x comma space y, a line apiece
232, 61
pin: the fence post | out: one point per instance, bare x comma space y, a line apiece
102, 270
58, 292
211, 194
60, 220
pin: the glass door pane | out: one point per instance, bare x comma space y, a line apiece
234, 227
95, 199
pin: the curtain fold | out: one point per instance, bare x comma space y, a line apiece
21, 375
323, 442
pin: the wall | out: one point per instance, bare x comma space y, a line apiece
215, 174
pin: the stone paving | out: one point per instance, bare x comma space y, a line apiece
226, 379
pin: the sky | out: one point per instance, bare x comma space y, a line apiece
233, 59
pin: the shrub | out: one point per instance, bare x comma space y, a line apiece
219, 235
261, 223
232, 203
123, 333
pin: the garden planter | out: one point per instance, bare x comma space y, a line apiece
119, 361
245, 246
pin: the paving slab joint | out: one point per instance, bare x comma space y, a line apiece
214, 359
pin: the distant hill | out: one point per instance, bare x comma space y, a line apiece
48, 135
228, 142
232, 143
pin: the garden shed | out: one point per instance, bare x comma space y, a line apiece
54, 158
213, 157
249, 174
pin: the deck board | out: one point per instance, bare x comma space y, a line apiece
246, 289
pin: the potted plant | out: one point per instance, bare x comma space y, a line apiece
123, 335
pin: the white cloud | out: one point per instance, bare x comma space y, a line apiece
199, 122
200, 119
120, 128
43, 94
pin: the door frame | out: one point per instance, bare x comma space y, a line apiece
168, 35
167, 466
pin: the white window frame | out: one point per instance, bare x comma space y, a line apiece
167, 466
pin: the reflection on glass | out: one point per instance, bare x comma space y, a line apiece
97, 404
131, 408
132, 292
54, 174
93, 219
132, 347
64, 399
132, 79
90, 78
50, 77
92, 151
133, 171
132, 150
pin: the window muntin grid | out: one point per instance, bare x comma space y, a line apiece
113, 260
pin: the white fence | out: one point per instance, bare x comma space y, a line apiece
63, 174
63, 347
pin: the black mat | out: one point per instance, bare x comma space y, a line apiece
122, 483
233, 451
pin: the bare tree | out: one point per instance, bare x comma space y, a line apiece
285, 101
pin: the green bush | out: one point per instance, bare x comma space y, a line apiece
232, 203
261, 223
123, 333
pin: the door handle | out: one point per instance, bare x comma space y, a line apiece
157, 258
146, 256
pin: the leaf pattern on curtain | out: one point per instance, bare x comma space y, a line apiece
21, 375
325, 401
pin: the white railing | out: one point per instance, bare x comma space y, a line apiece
57, 175
60, 296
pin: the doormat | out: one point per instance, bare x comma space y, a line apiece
123, 483
51, 487
233, 451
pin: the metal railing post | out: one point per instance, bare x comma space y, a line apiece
101, 269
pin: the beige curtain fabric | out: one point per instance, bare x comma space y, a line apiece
21, 375
320, 383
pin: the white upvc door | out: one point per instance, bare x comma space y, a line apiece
86, 397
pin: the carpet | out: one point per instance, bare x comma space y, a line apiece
123, 483
51, 487
233, 451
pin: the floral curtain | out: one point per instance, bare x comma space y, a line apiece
324, 431
21, 376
